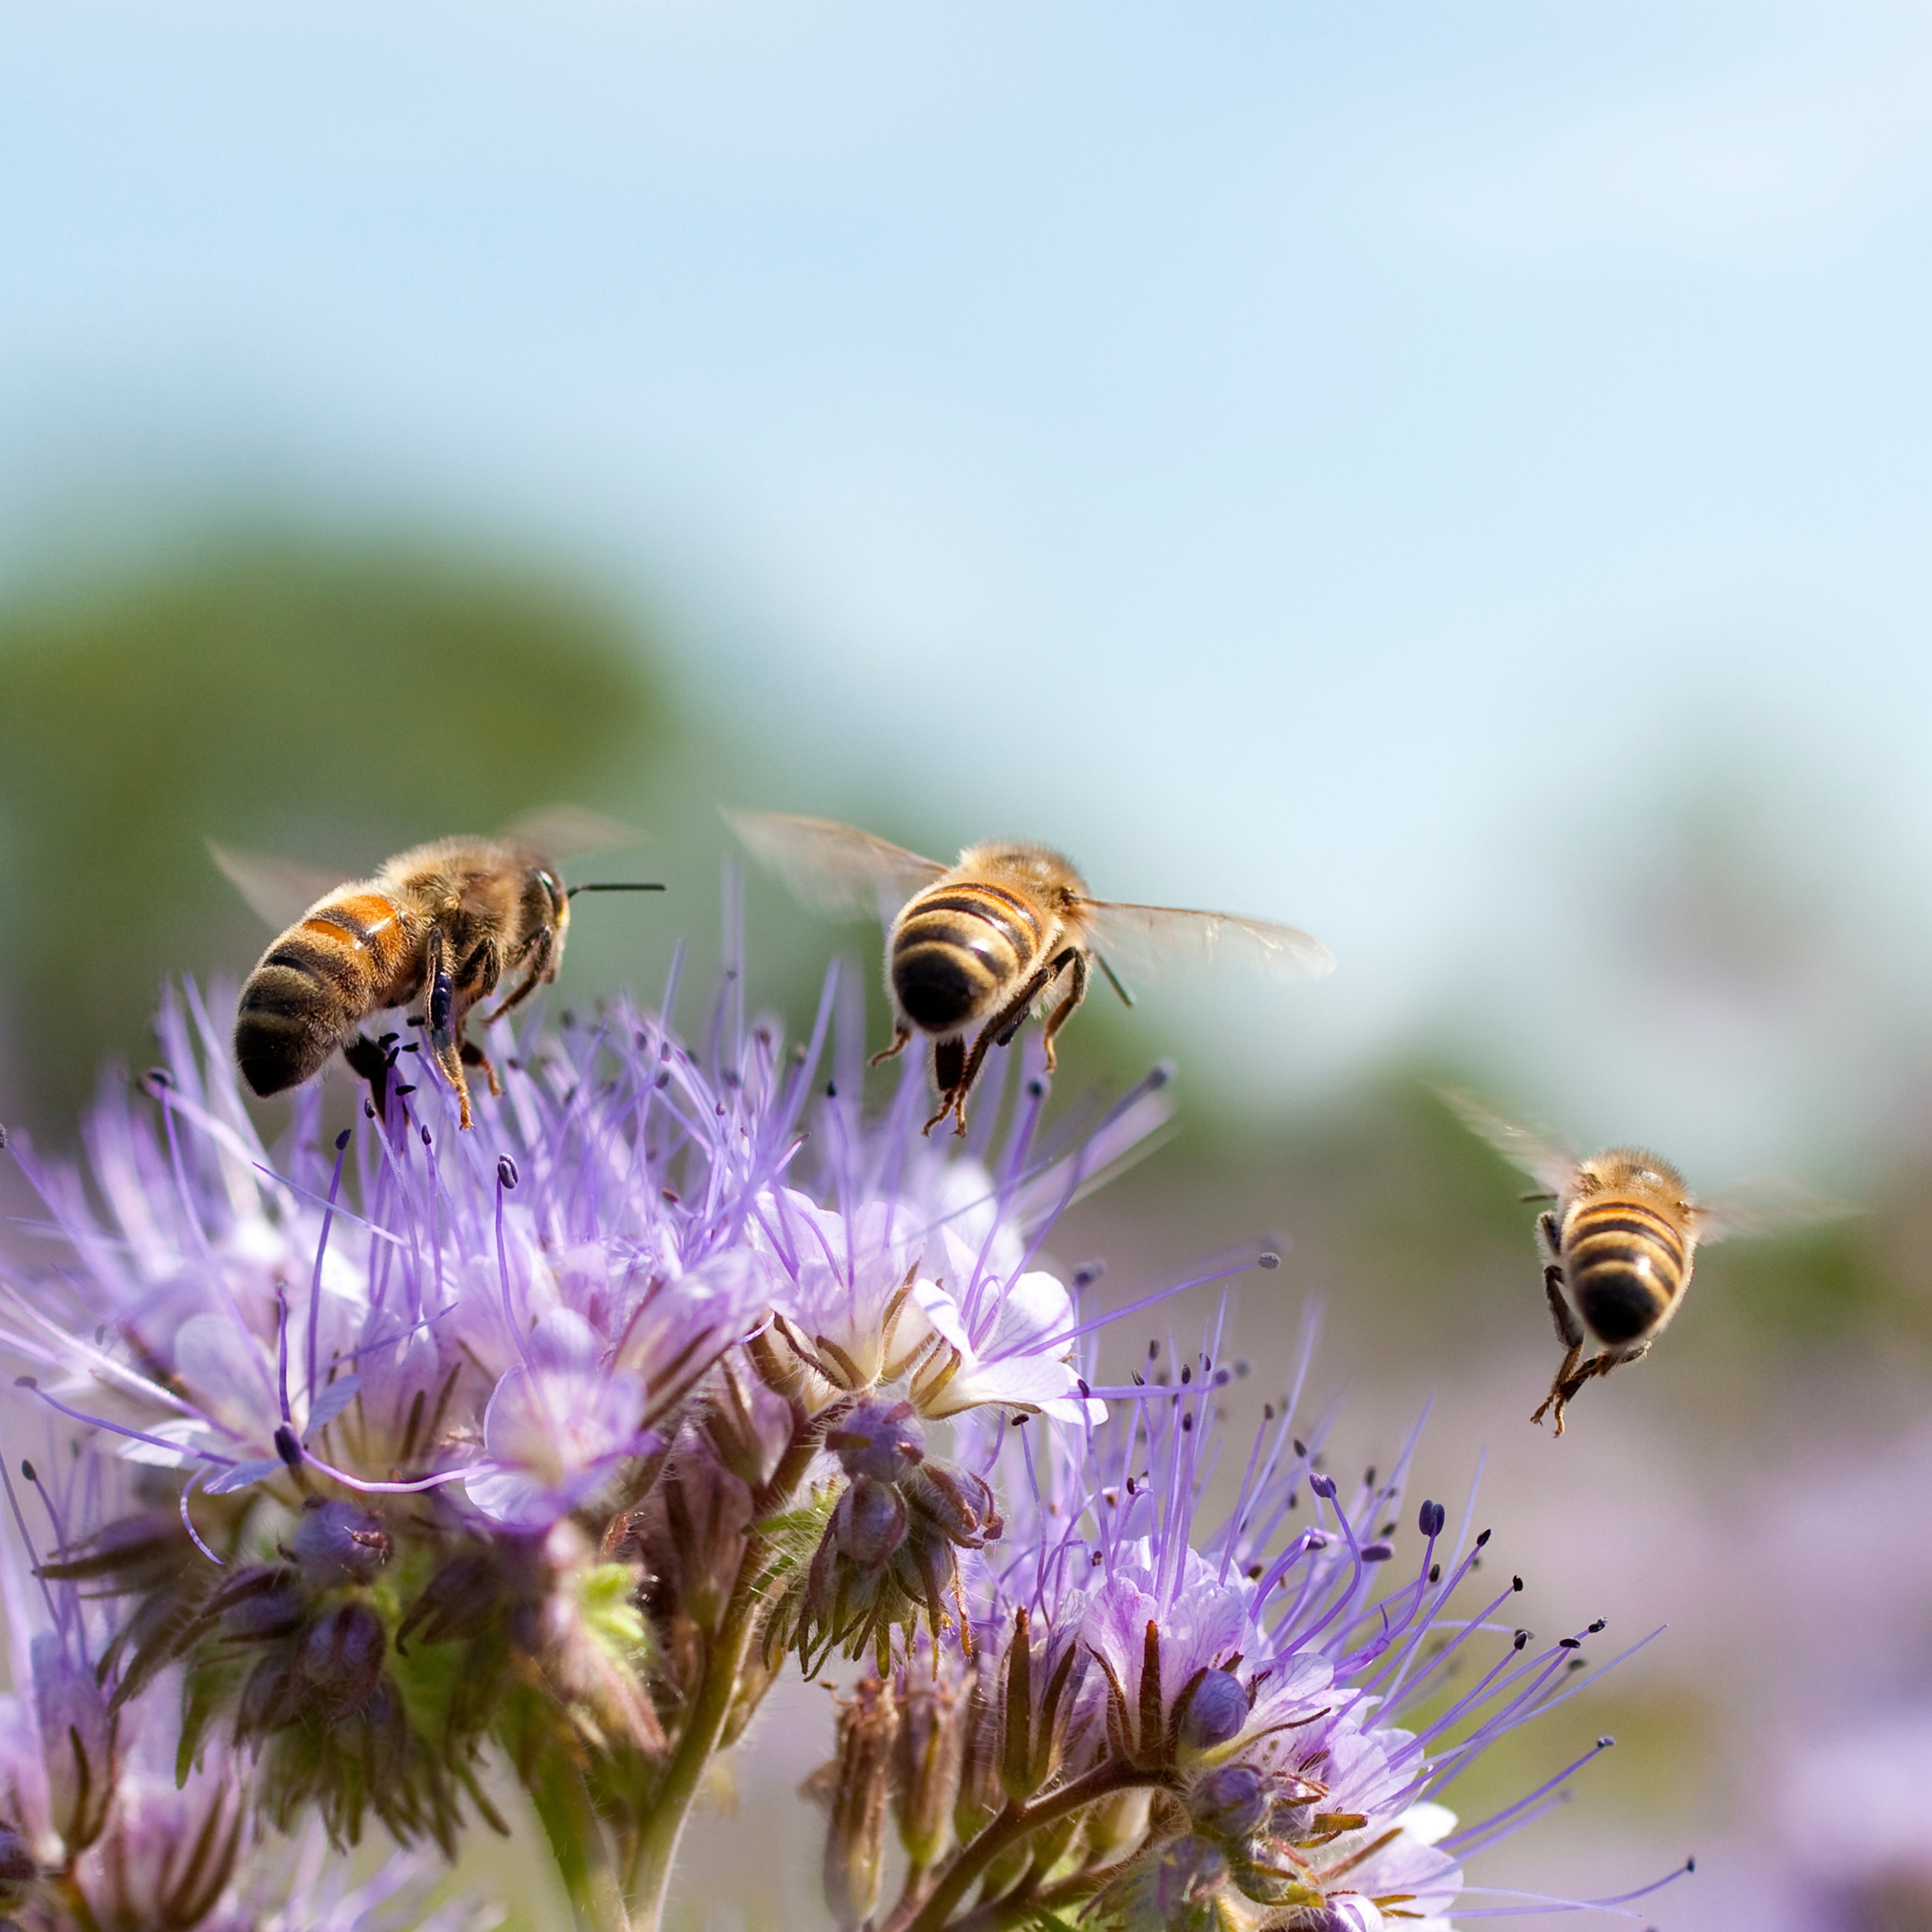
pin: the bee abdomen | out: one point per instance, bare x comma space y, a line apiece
1626, 1264
311, 986
956, 951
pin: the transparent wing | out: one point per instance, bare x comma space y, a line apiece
1149, 939
563, 831
1767, 1208
1541, 1157
278, 891
831, 868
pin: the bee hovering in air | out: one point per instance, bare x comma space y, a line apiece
447, 922
973, 950
1619, 1242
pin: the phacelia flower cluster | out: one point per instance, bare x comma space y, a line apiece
400, 1452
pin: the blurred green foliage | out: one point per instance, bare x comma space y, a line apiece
332, 704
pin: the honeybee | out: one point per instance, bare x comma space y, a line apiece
1618, 1245
974, 950
450, 921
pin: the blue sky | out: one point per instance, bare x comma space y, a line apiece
1381, 465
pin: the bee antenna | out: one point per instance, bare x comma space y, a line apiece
624, 886
1100, 960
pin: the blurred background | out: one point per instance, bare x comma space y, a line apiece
1455, 479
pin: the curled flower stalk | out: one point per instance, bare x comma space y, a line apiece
405, 1454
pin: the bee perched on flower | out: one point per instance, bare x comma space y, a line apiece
417, 1453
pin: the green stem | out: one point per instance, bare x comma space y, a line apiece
577, 1843
649, 1878
1013, 1825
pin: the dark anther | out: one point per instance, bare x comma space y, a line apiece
368, 1110
1186, 1423
387, 1039
831, 1090
403, 1088
1435, 1573
286, 1446
1516, 1582
1268, 1411
1378, 1552
1570, 1643
1324, 1486
1153, 1351
1387, 1529
1431, 1518
1020, 1421
342, 1140
1604, 1744
1483, 1539
1035, 1088
425, 1136
1597, 1625
1522, 1637
27, 1470
506, 1171
26, 1381
1243, 1367
1186, 1374
1369, 1477
669, 1196
1301, 1448
158, 1076
1080, 1383
1267, 1258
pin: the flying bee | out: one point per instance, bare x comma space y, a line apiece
1619, 1242
449, 923
974, 950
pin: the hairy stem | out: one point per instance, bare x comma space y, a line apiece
649, 1878
578, 1844
1007, 1829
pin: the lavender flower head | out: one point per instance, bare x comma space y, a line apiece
406, 1451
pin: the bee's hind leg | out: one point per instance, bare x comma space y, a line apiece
949, 1076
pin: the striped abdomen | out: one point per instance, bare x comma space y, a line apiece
1625, 1263
345, 959
959, 950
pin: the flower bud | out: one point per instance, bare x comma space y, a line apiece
19, 1870
880, 1440
1177, 1890
925, 1762
341, 1658
337, 1543
1229, 1805
78, 1738
855, 1837
870, 1523
1213, 1710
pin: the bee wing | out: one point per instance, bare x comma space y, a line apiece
1541, 1157
279, 891
1767, 1208
831, 868
1153, 937
563, 831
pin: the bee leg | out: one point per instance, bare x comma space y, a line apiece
998, 1031
1075, 959
443, 1029
473, 1055
538, 971
902, 1033
1569, 1329
949, 1075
